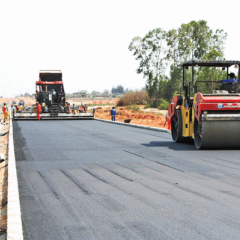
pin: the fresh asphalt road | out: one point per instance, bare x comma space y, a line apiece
97, 180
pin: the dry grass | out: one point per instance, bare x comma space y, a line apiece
130, 98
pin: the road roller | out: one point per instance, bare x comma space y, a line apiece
209, 116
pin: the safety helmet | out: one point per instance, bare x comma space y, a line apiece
232, 75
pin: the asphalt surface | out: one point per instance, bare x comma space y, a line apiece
95, 180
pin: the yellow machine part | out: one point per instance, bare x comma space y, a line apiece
187, 124
187, 128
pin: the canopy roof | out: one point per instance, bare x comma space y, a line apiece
210, 63
50, 75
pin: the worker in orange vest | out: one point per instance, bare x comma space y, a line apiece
168, 121
5, 112
39, 110
20, 107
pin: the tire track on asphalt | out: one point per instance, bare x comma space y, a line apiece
137, 196
145, 199
115, 172
79, 184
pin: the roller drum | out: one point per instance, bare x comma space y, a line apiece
218, 134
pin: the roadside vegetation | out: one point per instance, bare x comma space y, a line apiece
161, 50
133, 98
101, 104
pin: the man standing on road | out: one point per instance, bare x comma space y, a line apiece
5, 112
39, 110
113, 113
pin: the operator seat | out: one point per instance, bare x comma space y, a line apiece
227, 86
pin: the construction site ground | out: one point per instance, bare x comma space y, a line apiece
3, 177
147, 117
151, 117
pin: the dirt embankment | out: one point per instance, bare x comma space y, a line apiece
3, 177
151, 117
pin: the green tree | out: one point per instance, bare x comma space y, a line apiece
118, 89
196, 39
158, 49
151, 52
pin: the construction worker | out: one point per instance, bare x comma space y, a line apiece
80, 109
16, 107
113, 113
5, 112
54, 96
168, 121
73, 109
67, 107
53, 92
233, 80
19, 107
39, 110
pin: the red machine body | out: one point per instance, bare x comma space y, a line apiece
216, 103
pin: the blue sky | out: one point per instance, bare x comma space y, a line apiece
88, 40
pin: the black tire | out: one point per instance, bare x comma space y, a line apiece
176, 127
197, 134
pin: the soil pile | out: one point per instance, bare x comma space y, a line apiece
151, 119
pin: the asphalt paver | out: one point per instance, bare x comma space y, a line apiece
95, 180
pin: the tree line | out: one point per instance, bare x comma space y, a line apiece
115, 92
161, 50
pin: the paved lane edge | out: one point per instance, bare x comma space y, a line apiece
135, 125
14, 220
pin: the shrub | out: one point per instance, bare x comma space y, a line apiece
147, 106
130, 98
133, 107
120, 102
150, 105
163, 105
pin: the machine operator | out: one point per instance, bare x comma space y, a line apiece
232, 80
